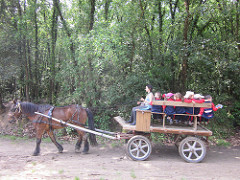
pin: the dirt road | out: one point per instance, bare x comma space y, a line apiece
109, 161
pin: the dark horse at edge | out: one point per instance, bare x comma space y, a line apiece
73, 114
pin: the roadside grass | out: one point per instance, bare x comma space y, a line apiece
133, 174
14, 138
156, 138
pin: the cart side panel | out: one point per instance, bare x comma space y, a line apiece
143, 121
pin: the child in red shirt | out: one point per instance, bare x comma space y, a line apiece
207, 113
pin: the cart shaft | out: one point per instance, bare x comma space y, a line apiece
78, 127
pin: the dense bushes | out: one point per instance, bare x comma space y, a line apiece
102, 54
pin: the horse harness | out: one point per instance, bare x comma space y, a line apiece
50, 112
50, 117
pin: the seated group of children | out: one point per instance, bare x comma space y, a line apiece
204, 113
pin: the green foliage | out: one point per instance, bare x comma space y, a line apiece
222, 142
70, 131
102, 120
235, 114
132, 43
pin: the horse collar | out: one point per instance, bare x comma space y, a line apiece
19, 107
50, 117
50, 111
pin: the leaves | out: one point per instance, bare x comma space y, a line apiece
131, 44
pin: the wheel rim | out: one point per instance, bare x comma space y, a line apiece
192, 150
139, 149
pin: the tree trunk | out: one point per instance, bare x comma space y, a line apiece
93, 2
183, 74
68, 32
29, 69
1, 100
147, 30
36, 55
173, 13
173, 10
106, 8
23, 53
52, 90
160, 21
237, 25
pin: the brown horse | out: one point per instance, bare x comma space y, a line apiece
73, 114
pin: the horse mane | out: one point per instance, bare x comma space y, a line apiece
31, 108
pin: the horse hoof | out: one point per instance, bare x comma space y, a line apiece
77, 151
35, 154
60, 149
85, 152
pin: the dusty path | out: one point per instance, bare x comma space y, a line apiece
108, 161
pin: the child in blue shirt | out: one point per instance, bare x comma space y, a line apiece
157, 108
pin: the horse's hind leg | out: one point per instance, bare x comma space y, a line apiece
53, 138
82, 137
79, 142
86, 144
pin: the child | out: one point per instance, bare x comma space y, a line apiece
188, 98
207, 113
178, 109
157, 108
169, 110
198, 98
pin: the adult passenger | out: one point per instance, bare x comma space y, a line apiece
143, 105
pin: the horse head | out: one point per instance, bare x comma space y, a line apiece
15, 111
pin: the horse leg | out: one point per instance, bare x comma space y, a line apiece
53, 138
86, 144
37, 149
79, 142
40, 131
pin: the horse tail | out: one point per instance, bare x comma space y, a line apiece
91, 126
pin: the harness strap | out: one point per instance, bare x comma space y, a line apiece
74, 114
50, 117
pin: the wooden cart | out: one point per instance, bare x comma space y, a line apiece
192, 148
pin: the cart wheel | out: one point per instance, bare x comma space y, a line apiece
139, 148
192, 149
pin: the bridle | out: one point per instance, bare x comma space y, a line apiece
19, 107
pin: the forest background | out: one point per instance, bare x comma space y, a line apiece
101, 54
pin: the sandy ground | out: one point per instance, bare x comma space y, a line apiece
109, 161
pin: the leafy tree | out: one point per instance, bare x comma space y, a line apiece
101, 54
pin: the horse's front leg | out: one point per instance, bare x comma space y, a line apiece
37, 149
40, 130
53, 138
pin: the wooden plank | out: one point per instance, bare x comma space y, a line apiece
181, 131
120, 120
143, 121
123, 123
183, 104
168, 129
